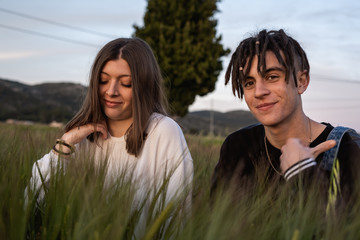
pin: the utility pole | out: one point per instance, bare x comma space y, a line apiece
211, 132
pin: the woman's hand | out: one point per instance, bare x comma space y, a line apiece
294, 151
77, 134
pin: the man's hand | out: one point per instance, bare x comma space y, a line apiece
294, 151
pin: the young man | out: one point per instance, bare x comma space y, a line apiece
271, 71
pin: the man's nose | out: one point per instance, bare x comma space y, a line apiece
261, 88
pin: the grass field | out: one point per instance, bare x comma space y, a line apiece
78, 207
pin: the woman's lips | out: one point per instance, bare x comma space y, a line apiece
112, 104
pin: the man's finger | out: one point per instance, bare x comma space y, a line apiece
322, 147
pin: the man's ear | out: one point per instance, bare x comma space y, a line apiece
303, 80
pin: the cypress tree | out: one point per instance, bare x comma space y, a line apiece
182, 34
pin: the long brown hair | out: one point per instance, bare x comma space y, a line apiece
147, 89
275, 41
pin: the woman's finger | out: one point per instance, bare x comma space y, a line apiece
102, 129
77, 134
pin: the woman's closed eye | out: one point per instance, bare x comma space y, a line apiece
126, 85
103, 81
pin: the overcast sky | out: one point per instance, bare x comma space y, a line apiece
33, 51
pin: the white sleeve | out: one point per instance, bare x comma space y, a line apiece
176, 160
41, 172
299, 167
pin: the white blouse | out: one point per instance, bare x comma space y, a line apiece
164, 153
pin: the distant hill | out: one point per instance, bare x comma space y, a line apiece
59, 102
40, 103
223, 123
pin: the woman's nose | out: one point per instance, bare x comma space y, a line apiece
112, 89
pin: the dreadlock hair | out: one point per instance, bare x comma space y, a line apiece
275, 41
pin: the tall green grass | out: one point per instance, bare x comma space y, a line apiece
78, 206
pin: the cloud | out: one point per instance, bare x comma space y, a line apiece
18, 55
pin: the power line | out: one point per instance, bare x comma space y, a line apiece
57, 23
330, 100
48, 36
332, 79
334, 108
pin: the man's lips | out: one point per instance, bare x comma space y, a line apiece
112, 103
265, 106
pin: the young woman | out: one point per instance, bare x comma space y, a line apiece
123, 122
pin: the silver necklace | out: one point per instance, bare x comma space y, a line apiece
267, 152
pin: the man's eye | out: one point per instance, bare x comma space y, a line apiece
272, 77
248, 84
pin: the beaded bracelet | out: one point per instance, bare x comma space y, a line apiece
60, 152
62, 142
